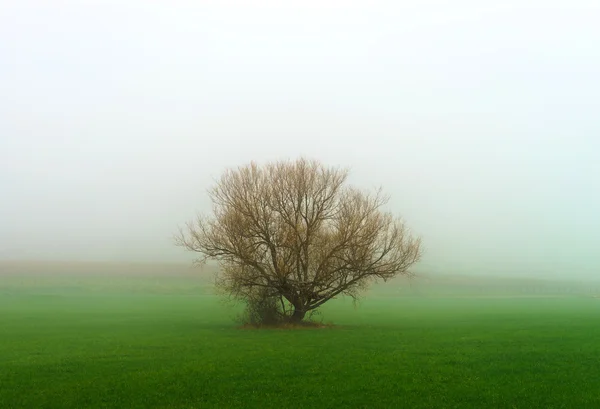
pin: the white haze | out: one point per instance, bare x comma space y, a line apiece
479, 118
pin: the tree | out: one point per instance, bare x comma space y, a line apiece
293, 233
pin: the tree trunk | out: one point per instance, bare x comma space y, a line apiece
298, 315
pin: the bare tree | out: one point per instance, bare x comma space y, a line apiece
294, 232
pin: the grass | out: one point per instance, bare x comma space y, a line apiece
155, 342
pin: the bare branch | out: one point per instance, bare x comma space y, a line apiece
292, 229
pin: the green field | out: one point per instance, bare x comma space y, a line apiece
154, 341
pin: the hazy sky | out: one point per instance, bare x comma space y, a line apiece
480, 118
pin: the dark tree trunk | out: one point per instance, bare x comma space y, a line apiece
298, 315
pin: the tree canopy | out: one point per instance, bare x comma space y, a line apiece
294, 235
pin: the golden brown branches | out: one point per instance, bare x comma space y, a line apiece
295, 229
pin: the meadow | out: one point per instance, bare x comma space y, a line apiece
161, 339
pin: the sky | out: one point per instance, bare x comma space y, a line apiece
479, 118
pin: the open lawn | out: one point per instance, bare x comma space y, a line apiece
135, 341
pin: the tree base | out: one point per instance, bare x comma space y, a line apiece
289, 325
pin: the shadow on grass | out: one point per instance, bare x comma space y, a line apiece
289, 326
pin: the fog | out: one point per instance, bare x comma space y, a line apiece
480, 119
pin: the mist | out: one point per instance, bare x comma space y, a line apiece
479, 120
